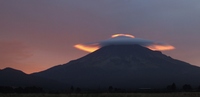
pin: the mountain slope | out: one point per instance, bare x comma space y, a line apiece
17, 78
124, 66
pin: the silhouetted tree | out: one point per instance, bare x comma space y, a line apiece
187, 87
33, 89
6, 89
19, 90
199, 88
110, 89
71, 89
78, 90
117, 90
172, 87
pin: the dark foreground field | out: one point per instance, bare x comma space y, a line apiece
183, 94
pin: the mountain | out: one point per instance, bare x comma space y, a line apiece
124, 66
17, 78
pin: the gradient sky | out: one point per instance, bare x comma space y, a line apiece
38, 34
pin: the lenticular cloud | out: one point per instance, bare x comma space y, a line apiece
124, 39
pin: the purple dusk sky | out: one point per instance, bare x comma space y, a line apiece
38, 34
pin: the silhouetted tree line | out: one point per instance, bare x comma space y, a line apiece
171, 87
185, 87
110, 89
32, 89
75, 90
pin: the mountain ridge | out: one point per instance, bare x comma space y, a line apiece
16, 78
124, 66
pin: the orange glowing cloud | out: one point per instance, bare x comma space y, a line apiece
87, 48
161, 47
127, 39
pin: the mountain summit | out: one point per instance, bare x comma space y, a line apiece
124, 66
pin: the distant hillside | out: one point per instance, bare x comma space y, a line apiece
17, 78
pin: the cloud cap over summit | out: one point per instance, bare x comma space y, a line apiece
126, 39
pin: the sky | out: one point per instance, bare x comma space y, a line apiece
38, 34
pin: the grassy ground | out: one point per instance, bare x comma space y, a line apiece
192, 94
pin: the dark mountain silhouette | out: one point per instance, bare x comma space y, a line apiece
124, 66
16, 78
